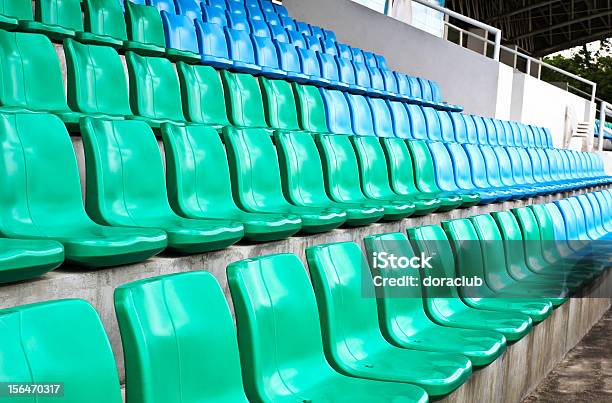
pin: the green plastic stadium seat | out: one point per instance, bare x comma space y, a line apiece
401, 175
353, 342
11, 11
57, 19
279, 104
516, 261
41, 196
179, 340
283, 358
199, 184
145, 30
303, 181
244, 100
497, 275
250, 152
341, 171
32, 77
97, 85
535, 258
404, 322
202, 94
104, 23
155, 92
470, 263
26, 259
443, 303
126, 187
59, 341
311, 110
426, 177
374, 174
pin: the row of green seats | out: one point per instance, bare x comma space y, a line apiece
22, 259
99, 22
180, 343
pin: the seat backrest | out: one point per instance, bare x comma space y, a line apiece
265, 52
31, 76
337, 112
362, 75
513, 242
296, 39
250, 151
370, 59
389, 80
443, 166
288, 57
259, 28
403, 85
505, 166
528, 170
500, 132
426, 93
477, 163
493, 168
34, 348
18, 9
376, 78
491, 131
446, 125
277, 33
572, 226
508, 132
288, 23
268, 331
358, 55
399, 163
473, 135
317, 32
189, 8
39, 176
301, 168
340, 167
349, 321
329, 47
536, 165
162, 5
516, 134
243, 100
361, 115
310, 108
383, 124
544, 164
373, 169
214, 15
272, 19
344, 51
279, 104
432, 123
66, 14
346, 71
309, 63
329, 68
424, 171
179, 339
400, 119
197, 170
518, 170
313, 43
239, 22
202, 94
155, 91
460, 128
144, 24
125, 172
105, 17
240, 45
418, 125
96, 79
461, 163
180, 32
481, 129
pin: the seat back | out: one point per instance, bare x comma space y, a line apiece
434, 130
481, 129
265, 52
491, 131
125, 172
259, 28
238, 22
426, 93
507, 175
301, 168
461, 163
528, 171
202, 95
373, 169
179, 339
288, 57
296, 39
460, 128
477, 163
64, 13
493, 169
362, 75
309, 63
361, 115
39, 185
162, 5
443, 167
389, 81
329, 68
144, 24
279, 104
34, 348
31, 76
424, 172
383, 124
214, 15
446, 125
399, 163
268, 331
105, 17
190, 8
376, 79
197, 171
154, 88
17, 9
346, 71
240, 46
310, 108
418, 125
516, 259
500, 132
243, 100
337, 112
96, 79
313, 43
180, 32
400, 119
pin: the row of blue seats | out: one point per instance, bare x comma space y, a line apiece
193, 7
365, 116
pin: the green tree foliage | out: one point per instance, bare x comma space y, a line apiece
592, 65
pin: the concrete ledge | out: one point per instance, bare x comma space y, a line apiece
97, 287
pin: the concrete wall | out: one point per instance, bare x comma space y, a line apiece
466, 78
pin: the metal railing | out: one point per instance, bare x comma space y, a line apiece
604, 111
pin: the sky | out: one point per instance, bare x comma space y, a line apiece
570, 52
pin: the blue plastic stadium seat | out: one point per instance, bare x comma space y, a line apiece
346, 73
267, 57
313, 43
330, 35
401, 120
491, 131
303, 28
361, 115
281, 10
267, 6
381, 62
358, 55
288, 23
377, 83
433, 127
297, 39
383, 123
214, 15
259, 28
479, 125
238, 22
278, 33
450, 133
235, 8
272, 19
344, 51
255, 14
289, 61
370, 59
329, 47
212, 45
310, 66
362, 76
337, 112
390, 84
189, 8
317, 32
217, 3
418, 125
163, 5
329, 71
241, 51
181, 38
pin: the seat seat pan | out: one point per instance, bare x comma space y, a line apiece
8, 23
218, 62
261, 227
96, 39
156, 123
144, 49
243, 67
54, 32
26, 259
315, 220
183, 55
537, 309
273, 73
